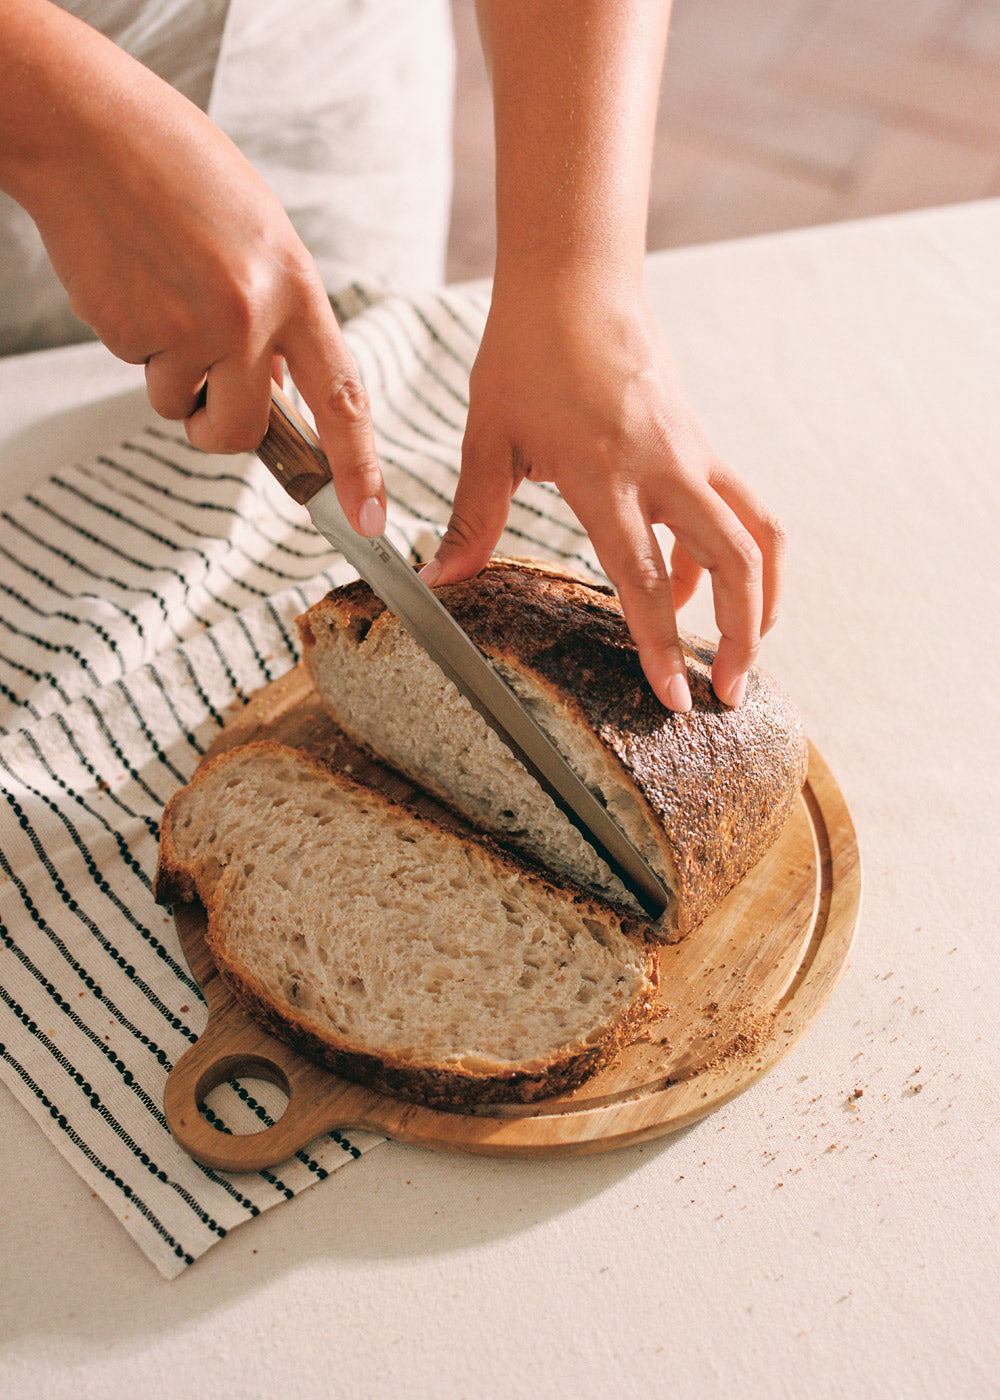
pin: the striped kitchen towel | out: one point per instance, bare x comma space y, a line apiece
146, 592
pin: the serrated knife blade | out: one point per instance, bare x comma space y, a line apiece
292, 453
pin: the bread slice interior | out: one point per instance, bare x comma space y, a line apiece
399, 952
384, 691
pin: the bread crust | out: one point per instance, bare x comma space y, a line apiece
718, 784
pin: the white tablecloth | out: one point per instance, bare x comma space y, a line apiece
802, 1240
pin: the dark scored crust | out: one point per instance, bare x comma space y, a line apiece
720, 782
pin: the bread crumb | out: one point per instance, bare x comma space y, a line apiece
751, 1031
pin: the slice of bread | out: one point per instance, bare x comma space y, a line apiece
409, 957
701, 795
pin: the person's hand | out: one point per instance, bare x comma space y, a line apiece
180, 257
575, 387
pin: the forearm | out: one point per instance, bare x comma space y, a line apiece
573, 383
575, 89
58, 80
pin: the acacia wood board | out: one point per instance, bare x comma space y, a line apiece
734, 996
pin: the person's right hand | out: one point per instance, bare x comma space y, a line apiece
180, 257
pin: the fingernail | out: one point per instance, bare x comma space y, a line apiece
678, 694
371, 518
430, 573
736, 693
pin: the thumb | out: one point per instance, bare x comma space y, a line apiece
479, 514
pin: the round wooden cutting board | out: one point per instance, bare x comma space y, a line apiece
734, 996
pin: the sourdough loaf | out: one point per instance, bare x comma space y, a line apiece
407, 956
703, 795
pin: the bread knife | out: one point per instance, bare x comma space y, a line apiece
292, 453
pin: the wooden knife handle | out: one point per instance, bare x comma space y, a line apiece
291, 450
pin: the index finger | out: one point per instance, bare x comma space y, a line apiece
320, 365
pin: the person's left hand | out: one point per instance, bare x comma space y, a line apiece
577, 388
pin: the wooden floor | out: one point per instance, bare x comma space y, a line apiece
782, 113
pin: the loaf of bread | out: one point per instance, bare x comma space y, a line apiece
419, 960
702, 795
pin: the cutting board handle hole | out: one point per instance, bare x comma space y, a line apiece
242, 1098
